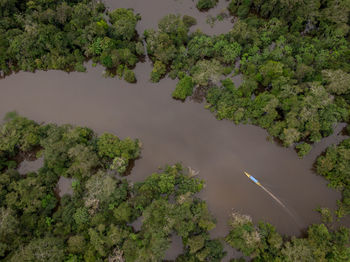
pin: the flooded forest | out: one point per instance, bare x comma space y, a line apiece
174, 130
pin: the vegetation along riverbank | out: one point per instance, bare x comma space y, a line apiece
294, 61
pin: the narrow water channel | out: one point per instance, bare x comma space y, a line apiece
172, 131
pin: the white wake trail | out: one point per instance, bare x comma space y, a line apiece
281, 204
274, 197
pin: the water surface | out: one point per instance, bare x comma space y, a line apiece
172, 131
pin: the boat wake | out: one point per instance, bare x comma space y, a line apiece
281, 204
274, 197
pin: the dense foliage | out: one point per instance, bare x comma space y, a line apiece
202, 58
63, 34
335, 166
263, 243
295, 67
94, 224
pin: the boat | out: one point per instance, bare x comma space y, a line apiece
252, 178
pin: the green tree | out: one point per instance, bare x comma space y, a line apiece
206, 71
76, 244
338, 81
189, 20
184, 88
129, 76
44, 249
124, 22
158, 71
203, 5
196, 243
303, 149
81, 216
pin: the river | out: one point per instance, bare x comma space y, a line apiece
172, 131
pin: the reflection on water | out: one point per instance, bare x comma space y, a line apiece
27, 166
64, 186
137, 223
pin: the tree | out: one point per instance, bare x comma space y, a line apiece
8, 230
240, 8
269, 71
189, 20
204, 5
129, 76
338, 81
111, 147
227, 51
123, 213
200, 47
206, 71
83, 161
303, 149
174, 27
76, 244
290, 135
243, 236
103, 189
124, 22
196, 243
158, 71
18, 133
81, 216
184, 88
108, 145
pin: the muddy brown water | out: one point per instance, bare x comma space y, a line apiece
64, 186
172, 131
